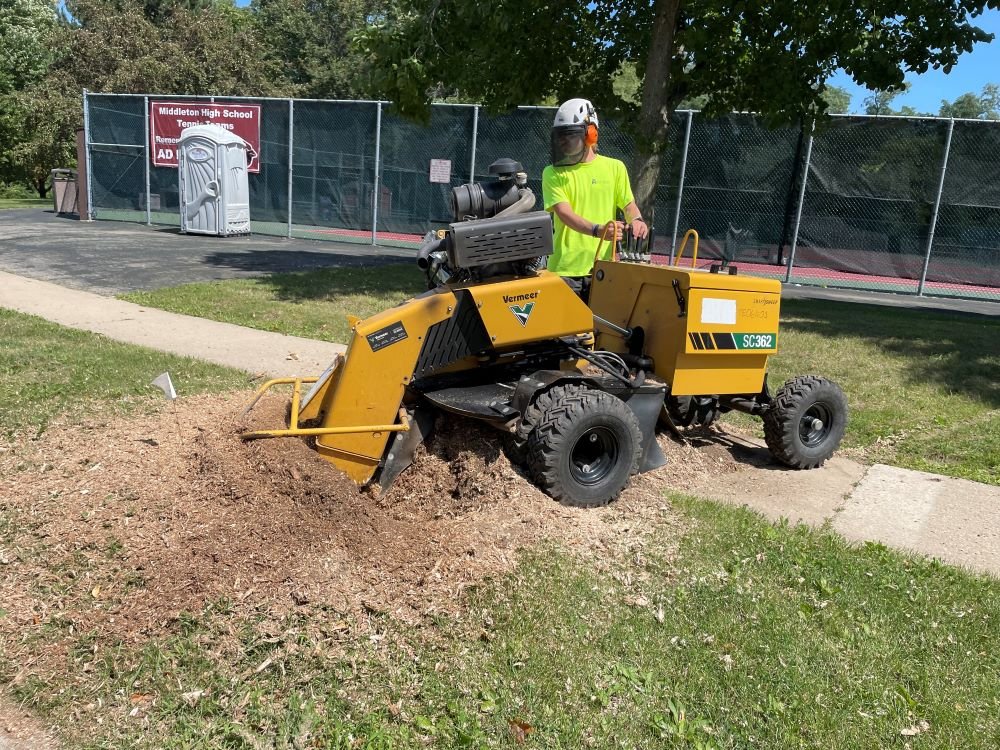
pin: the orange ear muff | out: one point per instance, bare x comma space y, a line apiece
591, 136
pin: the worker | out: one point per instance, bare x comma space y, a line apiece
583, 190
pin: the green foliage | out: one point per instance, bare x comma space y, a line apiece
771, 58
213, 50
879, 102
982, 106
308, 41
837, 99
174, 47
25, 28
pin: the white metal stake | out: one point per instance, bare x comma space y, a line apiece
378, 155
291, 159
798, 210
937, 207
680, 187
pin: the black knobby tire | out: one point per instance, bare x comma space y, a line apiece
584, 447
515, 444
806, 421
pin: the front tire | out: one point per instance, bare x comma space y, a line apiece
806, 421
584, 447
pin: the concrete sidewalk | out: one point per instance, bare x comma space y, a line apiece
257, 352
952, 519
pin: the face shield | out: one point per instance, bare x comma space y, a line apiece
568, 145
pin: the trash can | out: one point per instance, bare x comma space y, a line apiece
64, 191
214, 191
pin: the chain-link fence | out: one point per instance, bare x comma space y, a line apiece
908, 205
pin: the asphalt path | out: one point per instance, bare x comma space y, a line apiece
110, 257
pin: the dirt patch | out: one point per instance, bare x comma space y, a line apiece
119, 527
19, 731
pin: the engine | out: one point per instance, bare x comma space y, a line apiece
494, 233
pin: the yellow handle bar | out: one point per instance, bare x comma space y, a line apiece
694, 255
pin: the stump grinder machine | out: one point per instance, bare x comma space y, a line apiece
576, 390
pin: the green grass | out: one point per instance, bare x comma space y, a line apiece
314, 304
752, 635
25, 203
48, 371
922, 385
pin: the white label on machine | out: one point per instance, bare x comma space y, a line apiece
720, 311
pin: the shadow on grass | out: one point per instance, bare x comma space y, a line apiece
329, 274
743, 452
959, 352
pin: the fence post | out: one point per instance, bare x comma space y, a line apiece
291, 159
680, 187
798, 210
378, 156
937, 207
475, 134
86, 140
145, 129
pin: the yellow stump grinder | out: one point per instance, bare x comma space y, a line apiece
576, 389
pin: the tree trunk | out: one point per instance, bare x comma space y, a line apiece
656, 108
42, 187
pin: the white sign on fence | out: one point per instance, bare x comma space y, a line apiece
441, 170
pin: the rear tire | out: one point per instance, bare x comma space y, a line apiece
584, 447
806, 421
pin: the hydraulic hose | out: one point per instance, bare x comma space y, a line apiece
431, 244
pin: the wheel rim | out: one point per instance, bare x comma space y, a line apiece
594, 456
815, 425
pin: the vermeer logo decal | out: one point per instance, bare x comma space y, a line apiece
522, 312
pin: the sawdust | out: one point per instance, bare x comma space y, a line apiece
120, 526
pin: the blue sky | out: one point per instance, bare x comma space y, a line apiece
973, 70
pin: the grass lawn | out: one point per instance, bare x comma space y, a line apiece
922, 385
50, 372
314, 304
752, 635
746, 635
25, 203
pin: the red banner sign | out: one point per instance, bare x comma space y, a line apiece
168, 119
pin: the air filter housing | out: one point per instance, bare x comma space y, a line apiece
513, 238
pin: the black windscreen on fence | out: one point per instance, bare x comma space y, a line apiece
967, 237
737, 185
334, 164
870, 196
863, 220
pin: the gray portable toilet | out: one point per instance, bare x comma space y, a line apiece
215, 194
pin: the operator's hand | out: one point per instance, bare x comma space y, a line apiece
640, 229
613, 231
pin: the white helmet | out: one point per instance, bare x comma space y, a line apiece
576, 112
572, 133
